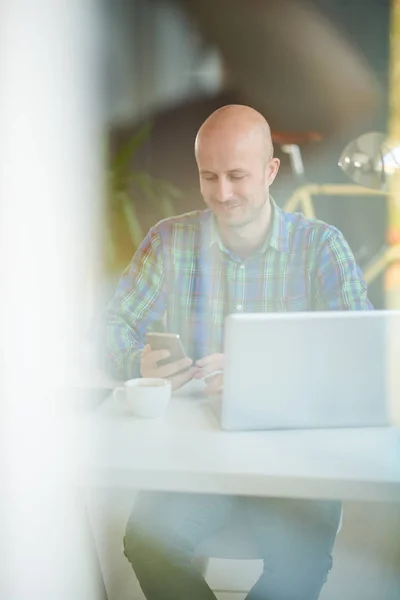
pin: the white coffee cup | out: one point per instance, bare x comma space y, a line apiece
145, 397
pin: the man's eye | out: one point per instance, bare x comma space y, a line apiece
237, 176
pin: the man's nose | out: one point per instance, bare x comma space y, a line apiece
224, 190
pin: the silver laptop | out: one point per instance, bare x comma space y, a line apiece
310, 369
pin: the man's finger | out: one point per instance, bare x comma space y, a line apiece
214, 377
207, 372
214, 384
212, 358
152, 357
146, 350
178, 381
172, 368
215, 360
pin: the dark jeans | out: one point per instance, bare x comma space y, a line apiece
295, 538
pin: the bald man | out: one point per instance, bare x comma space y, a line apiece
241, 254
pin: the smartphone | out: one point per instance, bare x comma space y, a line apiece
167, 341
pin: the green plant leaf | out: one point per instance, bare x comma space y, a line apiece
121, 165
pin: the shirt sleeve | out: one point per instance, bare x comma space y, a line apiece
138, 302
340, 284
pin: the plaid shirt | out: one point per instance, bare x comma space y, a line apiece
184, 276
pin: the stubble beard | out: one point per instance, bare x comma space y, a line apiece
254, 215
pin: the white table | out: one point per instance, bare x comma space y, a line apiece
187, 451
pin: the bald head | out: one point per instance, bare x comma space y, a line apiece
234, 156
235, 124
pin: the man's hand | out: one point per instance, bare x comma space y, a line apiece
149, 367
210, 369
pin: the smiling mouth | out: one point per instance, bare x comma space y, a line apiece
228, 207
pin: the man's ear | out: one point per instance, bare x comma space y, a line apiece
272, 169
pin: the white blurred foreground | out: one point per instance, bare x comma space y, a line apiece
49, 189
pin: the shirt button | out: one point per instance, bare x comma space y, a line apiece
239, 307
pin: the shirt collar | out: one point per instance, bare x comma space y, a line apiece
277, 237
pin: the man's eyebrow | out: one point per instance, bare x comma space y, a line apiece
203, 172
236, 170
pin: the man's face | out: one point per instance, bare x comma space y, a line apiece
235, 174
